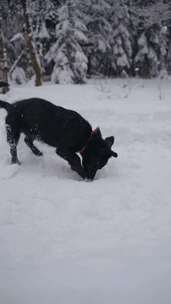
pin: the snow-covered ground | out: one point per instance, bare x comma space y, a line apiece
67, 241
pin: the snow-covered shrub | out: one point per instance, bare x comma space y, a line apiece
18, 76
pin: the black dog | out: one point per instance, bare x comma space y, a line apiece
63, 129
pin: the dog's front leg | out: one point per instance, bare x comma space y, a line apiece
12, 139
74, 161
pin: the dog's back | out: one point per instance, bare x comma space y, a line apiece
52, 124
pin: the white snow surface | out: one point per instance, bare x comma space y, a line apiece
68, 241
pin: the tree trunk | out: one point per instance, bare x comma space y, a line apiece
3, 63
30, 45
15, 64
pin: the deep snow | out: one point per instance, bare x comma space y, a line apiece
67, 241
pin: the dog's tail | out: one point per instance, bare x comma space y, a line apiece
5, 105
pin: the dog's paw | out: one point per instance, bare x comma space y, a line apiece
39, 153
17, 162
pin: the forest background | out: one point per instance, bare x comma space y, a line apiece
77, 39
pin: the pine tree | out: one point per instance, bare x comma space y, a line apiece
108, 24
44, 15
152, 39
120, 38
95, 37
70, 62
95, 13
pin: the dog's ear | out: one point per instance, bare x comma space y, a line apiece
110, 141
114, 154
97, 132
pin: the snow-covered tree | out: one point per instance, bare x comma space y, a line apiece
44, 16
152, 39
120, 38
169, 54
78, 38
66, 54
108, 24
94, 14
3, 59
28, 35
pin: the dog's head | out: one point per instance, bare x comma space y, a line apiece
97, 153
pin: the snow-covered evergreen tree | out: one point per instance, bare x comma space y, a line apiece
152, 41
44, 15
67, 55
169, 54
108, 24
120, 38
78, 37
95, 14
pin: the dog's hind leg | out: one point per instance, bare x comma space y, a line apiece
13, 136
74, 161
34, 149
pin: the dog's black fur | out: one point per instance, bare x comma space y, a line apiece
4, 86
63, 129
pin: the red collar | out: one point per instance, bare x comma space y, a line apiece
83, 149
